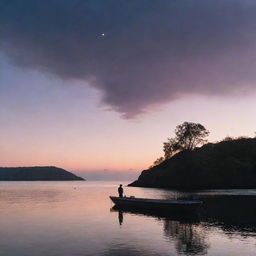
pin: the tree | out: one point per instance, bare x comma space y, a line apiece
188, 136
157, 162
228, 138
170, 147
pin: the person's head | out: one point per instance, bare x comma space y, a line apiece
120, 185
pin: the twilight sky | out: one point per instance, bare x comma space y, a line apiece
100, 84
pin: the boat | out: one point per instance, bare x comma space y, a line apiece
148, 203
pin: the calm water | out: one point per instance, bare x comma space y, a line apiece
75, 218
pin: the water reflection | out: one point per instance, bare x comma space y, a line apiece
189, 238
126, 250
37, 217
232, 213
182, 229
193, 217
120, 217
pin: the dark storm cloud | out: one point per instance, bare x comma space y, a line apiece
152, 51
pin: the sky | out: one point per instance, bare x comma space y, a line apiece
92, 85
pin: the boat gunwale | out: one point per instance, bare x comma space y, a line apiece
156, 201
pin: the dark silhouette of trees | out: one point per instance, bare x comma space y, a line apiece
228, 138
157, 162
171, 147
188, 136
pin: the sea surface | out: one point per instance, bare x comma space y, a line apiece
77, 218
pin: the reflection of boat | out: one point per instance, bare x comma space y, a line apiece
160, 214
173, 205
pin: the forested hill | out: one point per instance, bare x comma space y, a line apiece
227, 164
36, 173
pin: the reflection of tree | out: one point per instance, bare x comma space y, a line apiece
232, 213
189, 238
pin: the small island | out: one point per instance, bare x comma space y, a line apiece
36, 173
228, 164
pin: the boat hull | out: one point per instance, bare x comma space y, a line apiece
143, 203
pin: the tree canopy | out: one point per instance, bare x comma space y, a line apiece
188, 136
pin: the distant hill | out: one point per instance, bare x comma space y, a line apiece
36, 173
226, 165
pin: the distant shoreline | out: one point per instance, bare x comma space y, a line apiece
37, 173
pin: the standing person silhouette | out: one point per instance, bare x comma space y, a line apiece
120, 190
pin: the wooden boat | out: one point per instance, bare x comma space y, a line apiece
143, 203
